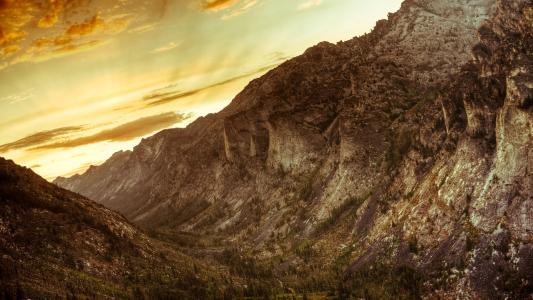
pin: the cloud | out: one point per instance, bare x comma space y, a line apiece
43, 50
10, 50
88, 26
33, 31
52, 16
40, 138
124, 132
168, 47
216, 5
71, 48
20, 97
72, 40
165, 96
143, 28
277, 56
309, 4
231, 8
247, 5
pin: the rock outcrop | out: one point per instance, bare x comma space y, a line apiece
409, 147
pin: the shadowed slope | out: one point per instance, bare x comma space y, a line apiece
54, 243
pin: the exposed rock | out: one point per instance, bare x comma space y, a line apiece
411, 146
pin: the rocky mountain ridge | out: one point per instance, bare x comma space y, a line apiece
407, 149
366, 80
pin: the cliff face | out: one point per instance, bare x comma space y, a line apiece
469, 215
409, 146
328, 111
57, 244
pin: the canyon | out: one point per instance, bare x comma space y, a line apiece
398, 164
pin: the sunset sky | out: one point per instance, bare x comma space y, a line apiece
82, 79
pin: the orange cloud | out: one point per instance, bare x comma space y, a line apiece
231, 8
247, 5
39, 138
124, 132
56, 41
52, 16
218, 4
89, 26
8, 38
46, 49
70, 48
165, 96
61, 137
14, 15
23, 39
10, 50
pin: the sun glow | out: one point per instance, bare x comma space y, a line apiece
72, 71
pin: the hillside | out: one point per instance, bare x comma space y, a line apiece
397, 163
57, 244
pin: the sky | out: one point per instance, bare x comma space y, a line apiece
82, 79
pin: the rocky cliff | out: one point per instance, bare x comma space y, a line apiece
329, 110
408, 148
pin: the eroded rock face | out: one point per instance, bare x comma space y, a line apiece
479, 194
329, 112
411, 143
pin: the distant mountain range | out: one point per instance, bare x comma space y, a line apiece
398, 164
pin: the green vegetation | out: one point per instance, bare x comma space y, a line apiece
381, 281
343, 260
243, 265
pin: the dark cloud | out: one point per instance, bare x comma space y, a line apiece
163, 98
124, 132
160, 98
40, 138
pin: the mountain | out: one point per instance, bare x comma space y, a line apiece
397, 164
55, 244
330, 111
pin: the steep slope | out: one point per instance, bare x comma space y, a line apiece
326, 112
57, 244
467, 221
392, 163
